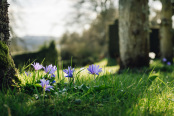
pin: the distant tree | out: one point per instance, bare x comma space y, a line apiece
84, 9
7, 66
166, 42
92, 44
104, 10
47, 54
133, 33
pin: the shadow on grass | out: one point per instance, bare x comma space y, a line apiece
162, 67
130, 87
125, 92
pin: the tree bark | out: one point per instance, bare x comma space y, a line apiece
8, 76
166, 43
133, 33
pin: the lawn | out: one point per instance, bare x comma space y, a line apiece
149, 91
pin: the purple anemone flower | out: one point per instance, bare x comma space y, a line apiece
37, 66
164, 59
69, 71
168, 63
50, 69
53, 69
94, 69
45, 84
54, 81
28, 73
47, 68
53, 75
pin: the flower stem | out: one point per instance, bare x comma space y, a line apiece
69, 80
34, 77
43, 94
73, 81
94, 78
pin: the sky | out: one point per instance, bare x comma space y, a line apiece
41, 17
47, 17
44, 17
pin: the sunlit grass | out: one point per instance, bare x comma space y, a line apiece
129, 94
82, 75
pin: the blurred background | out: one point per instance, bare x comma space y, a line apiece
85, 31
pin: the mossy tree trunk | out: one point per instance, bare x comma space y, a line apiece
8, 76
133, 33
166, 42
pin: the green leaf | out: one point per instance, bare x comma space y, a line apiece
101, 87
153, 76
83, 87
80, 71
38, 85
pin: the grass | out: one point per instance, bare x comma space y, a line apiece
141, 93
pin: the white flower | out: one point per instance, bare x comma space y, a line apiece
152, 55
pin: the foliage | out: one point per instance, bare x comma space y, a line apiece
84, 10
91, 45
128, 93
49, 53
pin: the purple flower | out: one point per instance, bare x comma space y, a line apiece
37, 66
168, 63
28, 73
94, 69
52, 75
51, 69
69, 71
164, 59
45, 84
47, 68
54, 81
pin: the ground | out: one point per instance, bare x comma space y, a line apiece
129, 93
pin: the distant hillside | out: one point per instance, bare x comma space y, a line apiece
30, 43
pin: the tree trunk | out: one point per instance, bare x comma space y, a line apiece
133, 33
8, 76
166, 43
